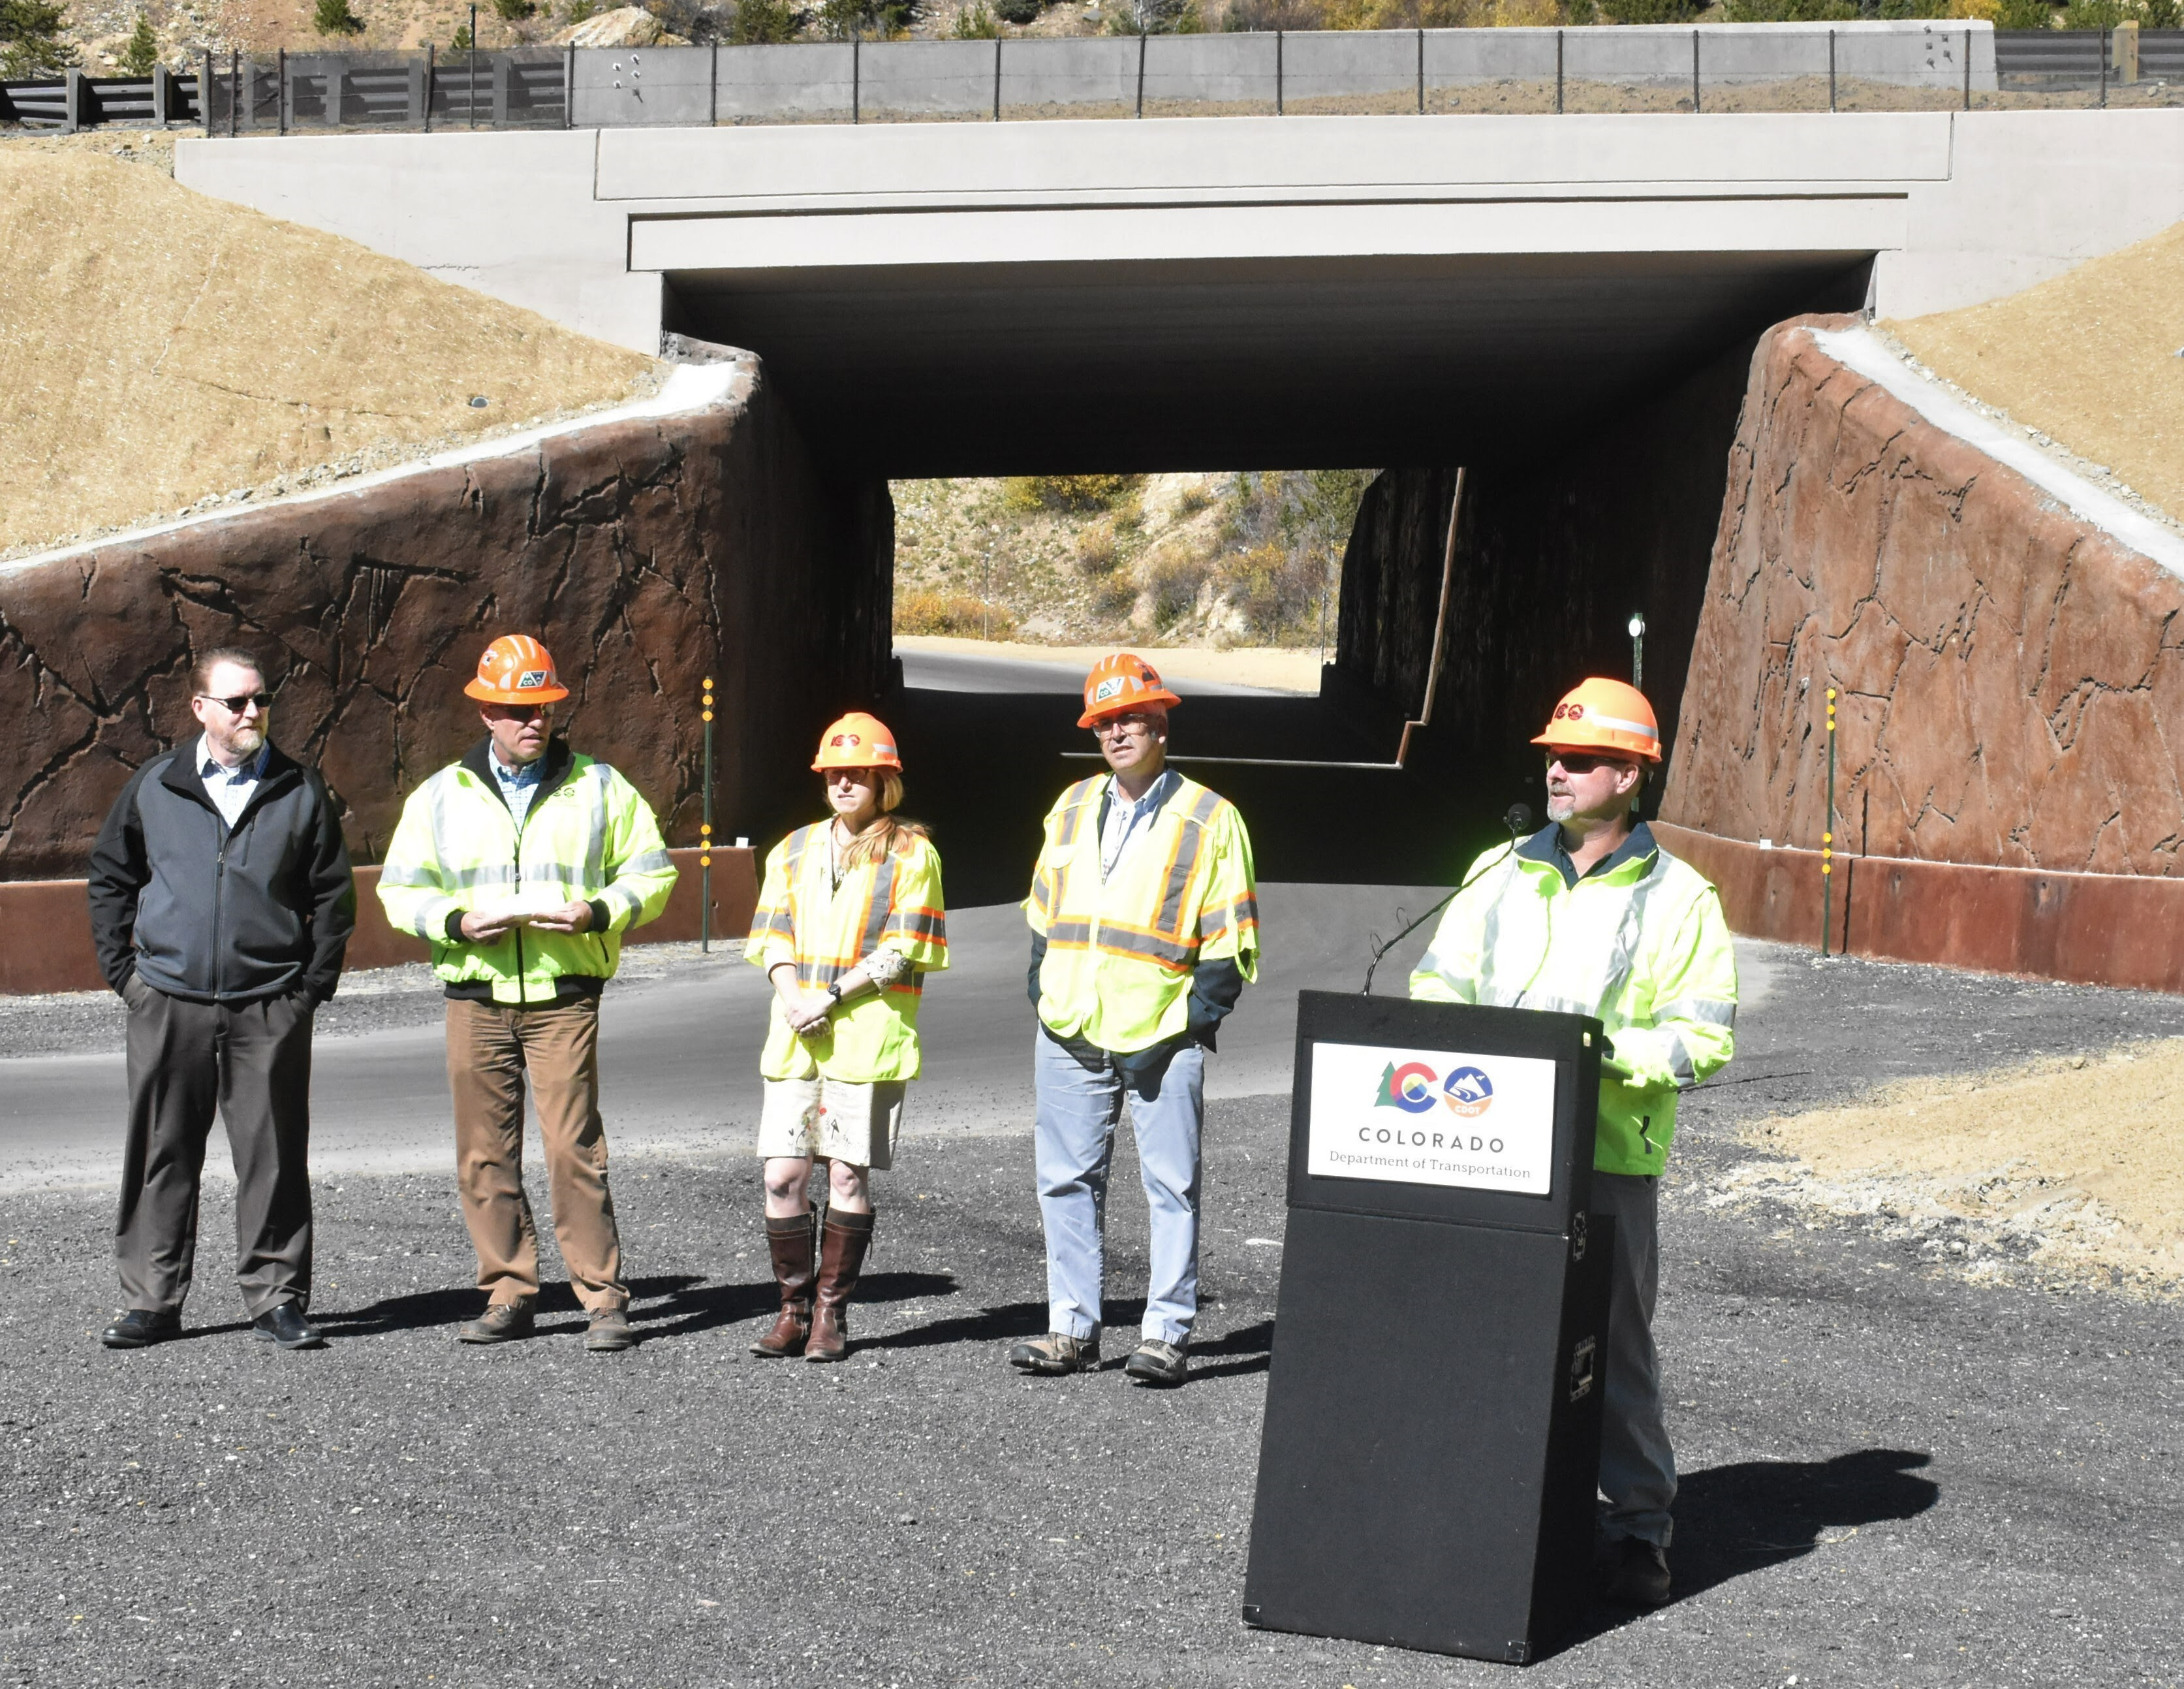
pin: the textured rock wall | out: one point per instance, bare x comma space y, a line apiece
2013, 686
646, 554
1551, 559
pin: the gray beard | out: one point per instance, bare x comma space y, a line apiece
1560, 809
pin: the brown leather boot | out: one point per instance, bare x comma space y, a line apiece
790, 1241
843, 1242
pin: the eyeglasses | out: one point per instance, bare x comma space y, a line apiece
1118, 726
235, 706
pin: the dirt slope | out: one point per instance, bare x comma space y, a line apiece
159, 349
2090, 359
2071, 1163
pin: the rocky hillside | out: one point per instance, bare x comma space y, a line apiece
1241, 559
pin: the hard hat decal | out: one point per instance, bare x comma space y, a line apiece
1110, 687
533, 677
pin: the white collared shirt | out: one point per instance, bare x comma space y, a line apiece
1123, 815
518, 786
230, 788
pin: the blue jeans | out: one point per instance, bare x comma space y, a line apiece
1080, 1103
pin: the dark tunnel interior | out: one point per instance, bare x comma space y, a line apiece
1590, 402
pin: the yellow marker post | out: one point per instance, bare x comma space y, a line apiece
1828, 837
706, 834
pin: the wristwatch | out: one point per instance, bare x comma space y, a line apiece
835, 992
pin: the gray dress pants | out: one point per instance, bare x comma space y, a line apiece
252, 1062
1637, 1468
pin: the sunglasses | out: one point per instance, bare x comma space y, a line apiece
1582, 762
523, 712
235, 706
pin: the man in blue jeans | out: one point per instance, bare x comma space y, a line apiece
1144, 928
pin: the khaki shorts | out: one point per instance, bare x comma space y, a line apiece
832, 1120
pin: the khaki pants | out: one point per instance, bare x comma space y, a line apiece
492, 1049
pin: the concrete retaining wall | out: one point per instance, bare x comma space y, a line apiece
2011, 680
647, 552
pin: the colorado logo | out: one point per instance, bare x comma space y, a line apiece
533, 677
1110, 687
1467, 1090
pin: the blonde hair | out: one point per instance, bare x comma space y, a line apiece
881, 837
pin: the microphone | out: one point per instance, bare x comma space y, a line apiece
1518, 821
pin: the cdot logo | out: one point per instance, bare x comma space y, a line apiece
533, 677
1110, 687
1467, 1090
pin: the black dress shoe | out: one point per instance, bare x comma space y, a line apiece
1637, 1574
139, 1328
285, 1324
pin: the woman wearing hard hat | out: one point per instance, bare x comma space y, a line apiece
849, 917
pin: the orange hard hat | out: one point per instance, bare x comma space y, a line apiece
1121, 683
857, 741
517, 669
1604, 716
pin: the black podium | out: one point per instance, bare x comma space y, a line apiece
1432, 1440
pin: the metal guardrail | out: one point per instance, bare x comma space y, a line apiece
1941, 64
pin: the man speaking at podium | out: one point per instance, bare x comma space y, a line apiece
1590, 915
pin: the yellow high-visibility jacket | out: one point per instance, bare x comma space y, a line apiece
1642, 946
1120, 952
588, 834
802, 917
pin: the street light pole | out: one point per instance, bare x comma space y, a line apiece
1638, 650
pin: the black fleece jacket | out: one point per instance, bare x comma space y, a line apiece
215, 915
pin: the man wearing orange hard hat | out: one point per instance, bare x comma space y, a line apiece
522, 866
1145, 920
1590, 915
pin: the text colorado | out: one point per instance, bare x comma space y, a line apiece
1417, 1137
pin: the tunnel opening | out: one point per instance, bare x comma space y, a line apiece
1571, 414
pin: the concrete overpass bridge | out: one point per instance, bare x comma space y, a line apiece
1563, 306
1027, 297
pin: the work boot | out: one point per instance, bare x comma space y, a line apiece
501, 1322
1637, 1573
1162, 1365
1056, 1353
790, 1242
609, 1331
842, 1245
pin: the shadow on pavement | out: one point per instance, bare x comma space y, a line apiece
1736, 1519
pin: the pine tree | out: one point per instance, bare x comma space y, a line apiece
30, 43
334, 18
139, 58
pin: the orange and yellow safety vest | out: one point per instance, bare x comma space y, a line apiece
1119, 950
827, 930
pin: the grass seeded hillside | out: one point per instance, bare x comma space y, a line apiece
160, 349
2093, 359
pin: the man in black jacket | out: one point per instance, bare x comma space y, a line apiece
221, 905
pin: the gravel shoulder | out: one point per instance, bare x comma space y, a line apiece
1894, 1473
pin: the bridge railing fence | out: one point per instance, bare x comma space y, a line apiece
1939, 65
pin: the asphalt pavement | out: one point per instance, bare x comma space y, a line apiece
1892, 1476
